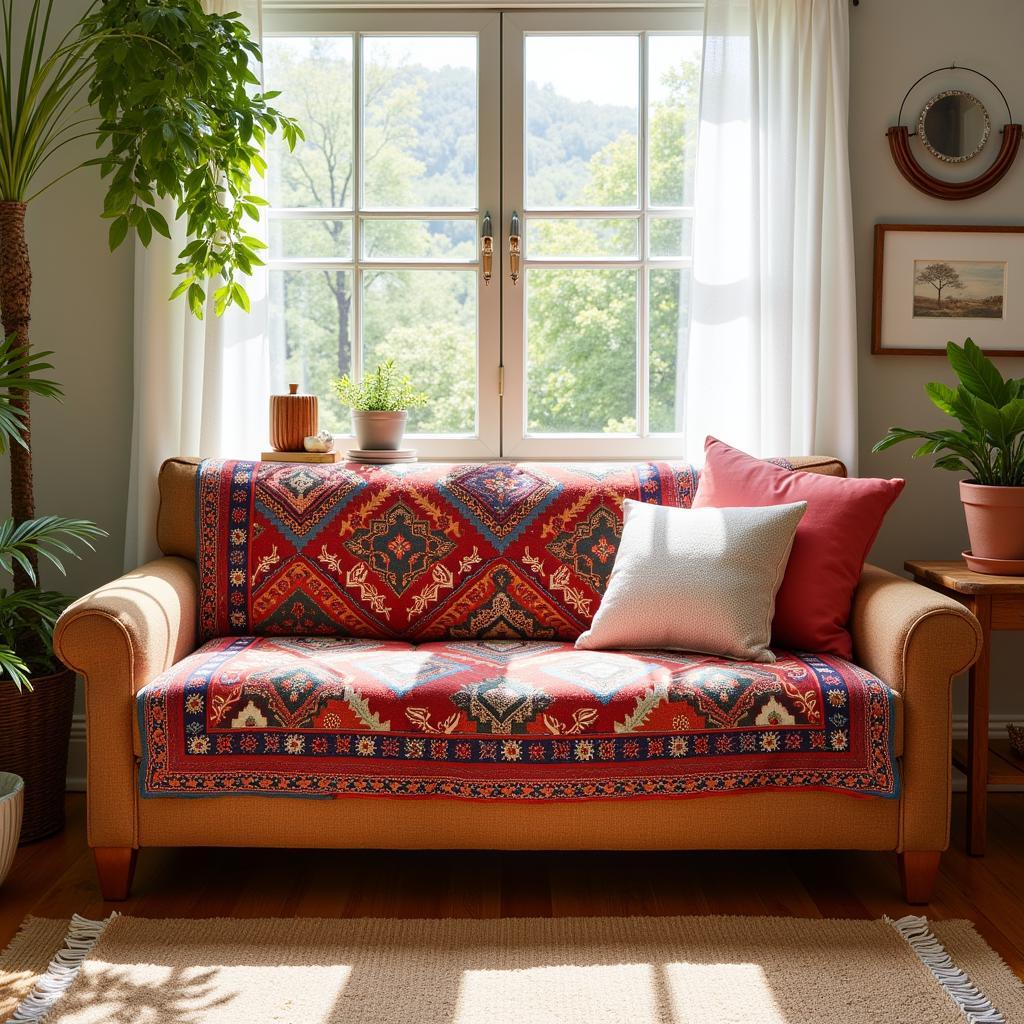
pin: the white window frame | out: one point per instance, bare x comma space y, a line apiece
485, 443
517, 442
500, 28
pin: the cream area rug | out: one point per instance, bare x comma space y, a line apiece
626, 970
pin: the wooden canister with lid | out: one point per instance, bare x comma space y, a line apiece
293, 418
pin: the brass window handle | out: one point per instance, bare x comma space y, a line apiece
487, 248
514, 247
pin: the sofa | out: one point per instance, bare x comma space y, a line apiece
382, 657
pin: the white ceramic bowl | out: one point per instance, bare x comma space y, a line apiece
12, 802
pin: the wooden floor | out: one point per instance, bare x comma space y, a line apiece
55, 879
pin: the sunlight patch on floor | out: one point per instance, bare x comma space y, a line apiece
158, 994
677, 993
723, 993
597, 993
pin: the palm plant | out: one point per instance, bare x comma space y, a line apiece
990, 410
166, 92
27, 615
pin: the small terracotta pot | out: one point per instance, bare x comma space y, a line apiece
293, 418
995, 520
379, 431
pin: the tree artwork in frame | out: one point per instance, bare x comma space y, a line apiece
936, 283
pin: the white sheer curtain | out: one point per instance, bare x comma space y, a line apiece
772, 364
201, 386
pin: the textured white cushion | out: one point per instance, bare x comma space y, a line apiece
696, 580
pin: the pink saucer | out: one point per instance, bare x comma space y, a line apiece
995, 566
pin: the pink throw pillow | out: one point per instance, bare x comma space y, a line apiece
842, 520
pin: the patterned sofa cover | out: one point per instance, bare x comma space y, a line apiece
408, 631
449, 708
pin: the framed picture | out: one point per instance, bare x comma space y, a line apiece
945, 282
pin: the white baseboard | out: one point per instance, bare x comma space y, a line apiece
76, 754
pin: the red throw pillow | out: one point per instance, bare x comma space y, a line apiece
842, 520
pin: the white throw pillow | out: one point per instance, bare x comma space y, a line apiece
700, 580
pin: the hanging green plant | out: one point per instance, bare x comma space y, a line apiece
167, 93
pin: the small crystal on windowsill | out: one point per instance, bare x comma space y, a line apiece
322, 442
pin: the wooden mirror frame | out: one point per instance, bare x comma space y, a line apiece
899, 146
938, 188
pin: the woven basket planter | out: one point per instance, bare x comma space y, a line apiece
34, 744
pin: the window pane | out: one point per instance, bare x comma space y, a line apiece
426, 321
583, 238
419, 239
419, 121
670, 237
581, 350
310, 239
310, 340
668, 298
582, 117
315, 79
673, 92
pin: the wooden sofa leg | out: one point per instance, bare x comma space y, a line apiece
115, 866
918, 872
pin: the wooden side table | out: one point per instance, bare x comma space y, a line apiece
998, 603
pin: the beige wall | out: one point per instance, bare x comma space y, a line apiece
892, 43
82, 304
81, 310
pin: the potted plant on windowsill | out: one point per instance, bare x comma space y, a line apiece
165, 92
989, 446
380, 403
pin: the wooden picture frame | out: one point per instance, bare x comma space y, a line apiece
981, 269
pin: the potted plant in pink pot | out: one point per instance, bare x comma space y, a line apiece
989, 446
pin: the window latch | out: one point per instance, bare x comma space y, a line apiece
487, 248
514, 247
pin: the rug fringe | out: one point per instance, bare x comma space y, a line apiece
82, 936
976, 1006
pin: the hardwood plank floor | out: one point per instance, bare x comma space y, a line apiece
55, 878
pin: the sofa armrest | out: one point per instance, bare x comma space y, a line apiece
916, 640
120, 637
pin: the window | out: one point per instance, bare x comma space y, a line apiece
417, 125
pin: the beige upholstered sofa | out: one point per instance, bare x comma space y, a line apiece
126, 633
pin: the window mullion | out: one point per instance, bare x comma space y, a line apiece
356, 342
643, 183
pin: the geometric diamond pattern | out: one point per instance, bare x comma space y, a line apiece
494, 551
590, 547
399, 547
501, 499
602, 673
403, 671
267, 715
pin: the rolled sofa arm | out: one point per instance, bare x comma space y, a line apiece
916, 640
120, 637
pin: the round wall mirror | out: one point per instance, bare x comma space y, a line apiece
954, 126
